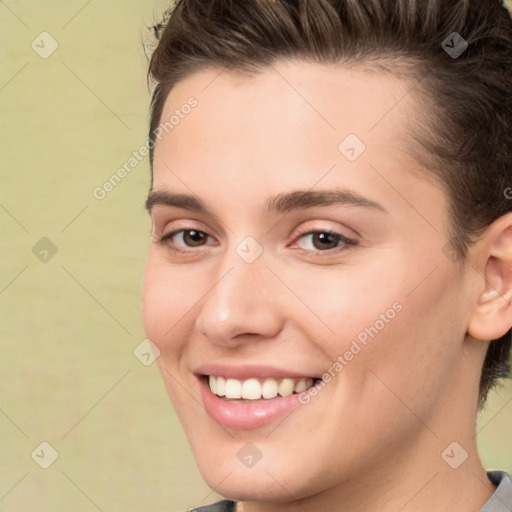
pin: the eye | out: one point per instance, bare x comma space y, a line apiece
189, 238
325, 241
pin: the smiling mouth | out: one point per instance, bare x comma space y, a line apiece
257, 389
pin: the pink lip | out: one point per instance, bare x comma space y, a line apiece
245, 415
242, 372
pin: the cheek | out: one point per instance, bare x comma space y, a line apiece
352, 303
164, 302
413, 353
152, 303
397, 323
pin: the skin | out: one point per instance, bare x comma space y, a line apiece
372, 439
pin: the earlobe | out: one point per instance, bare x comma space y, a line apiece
492, 315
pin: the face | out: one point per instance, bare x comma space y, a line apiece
304, 254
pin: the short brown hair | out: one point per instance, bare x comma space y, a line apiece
467, 98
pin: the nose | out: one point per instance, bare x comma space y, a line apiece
242, 304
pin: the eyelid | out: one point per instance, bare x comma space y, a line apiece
177, 226
165, 216
323, 229
165, 239
347, 242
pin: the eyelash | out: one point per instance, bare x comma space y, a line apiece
165, 240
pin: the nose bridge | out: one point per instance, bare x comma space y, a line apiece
239, 300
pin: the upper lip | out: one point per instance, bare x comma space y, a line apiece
242, 372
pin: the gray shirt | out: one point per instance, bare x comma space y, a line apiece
500, 501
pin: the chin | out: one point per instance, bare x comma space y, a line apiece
250, 486
272, 478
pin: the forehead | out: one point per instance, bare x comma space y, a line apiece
290, 124
324, 103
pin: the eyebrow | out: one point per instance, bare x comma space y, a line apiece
282, 203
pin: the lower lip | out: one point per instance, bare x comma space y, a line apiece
246, 415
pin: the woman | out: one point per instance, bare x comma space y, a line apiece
330, 281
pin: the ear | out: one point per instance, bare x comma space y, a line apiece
492, 314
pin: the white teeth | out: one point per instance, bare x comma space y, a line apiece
255, 389
233, 388
269, 388
299, 387
286, 387
220, 386
251, 389
213, 384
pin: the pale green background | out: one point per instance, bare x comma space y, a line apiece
69, 326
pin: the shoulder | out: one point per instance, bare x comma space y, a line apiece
501, 500
219, 506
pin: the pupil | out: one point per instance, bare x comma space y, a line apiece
324, 239
195, 236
